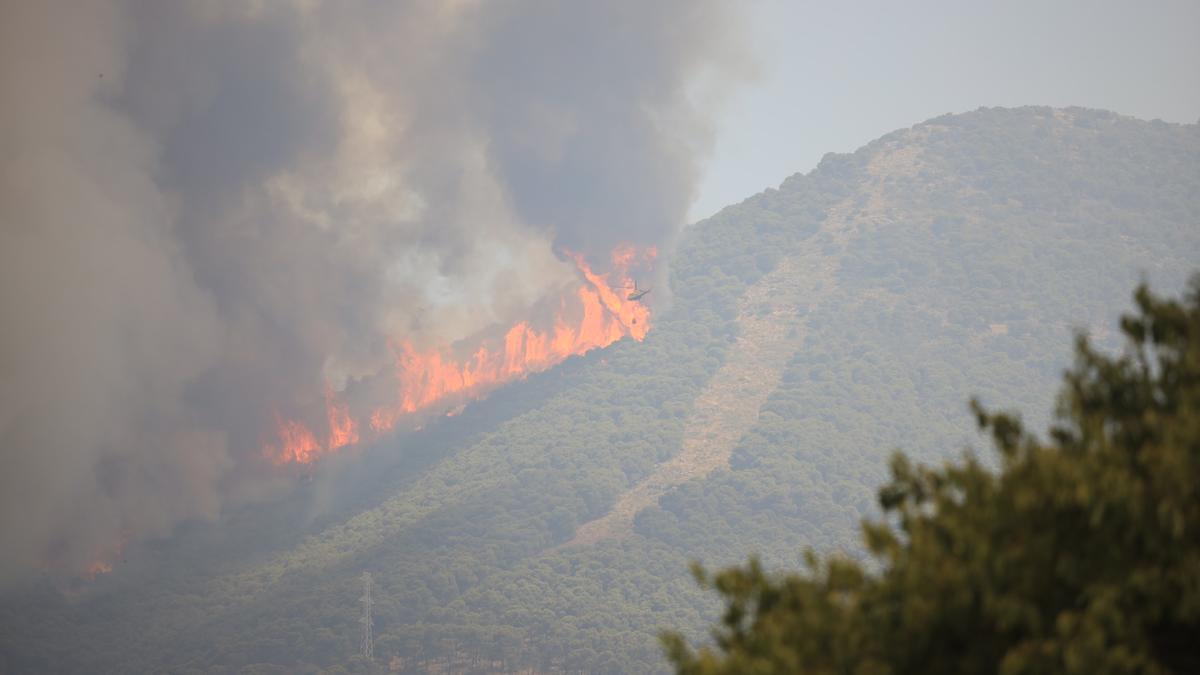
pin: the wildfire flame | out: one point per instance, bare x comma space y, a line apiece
426, 378
342, 429
101, 564
96, 569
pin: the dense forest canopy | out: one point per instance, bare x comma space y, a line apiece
1080, 555
849, 312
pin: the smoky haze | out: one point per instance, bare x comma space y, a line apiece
212, 212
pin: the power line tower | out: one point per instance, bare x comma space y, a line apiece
368, 642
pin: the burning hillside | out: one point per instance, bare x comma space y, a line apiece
594, 314
241, 236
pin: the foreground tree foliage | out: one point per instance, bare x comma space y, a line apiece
1081, 555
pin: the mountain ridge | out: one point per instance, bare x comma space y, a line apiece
935, 263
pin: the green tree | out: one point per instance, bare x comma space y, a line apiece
1081, 554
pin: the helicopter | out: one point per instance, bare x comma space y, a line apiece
637, 293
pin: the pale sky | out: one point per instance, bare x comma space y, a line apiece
836, 75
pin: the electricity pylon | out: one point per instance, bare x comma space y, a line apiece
368, 642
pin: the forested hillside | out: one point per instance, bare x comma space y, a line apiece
1077, 554
812, 329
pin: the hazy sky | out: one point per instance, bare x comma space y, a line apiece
834, 76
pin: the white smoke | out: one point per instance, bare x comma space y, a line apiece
212, 211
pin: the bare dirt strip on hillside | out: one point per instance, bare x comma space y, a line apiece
771, 329
771, 323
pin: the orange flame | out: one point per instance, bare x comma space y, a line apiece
101, 564
425, 378
96, 569
623, 255
342, 429
297, 443
626, 254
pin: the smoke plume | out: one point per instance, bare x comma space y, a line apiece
214, 213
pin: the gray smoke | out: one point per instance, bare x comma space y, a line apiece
211, 211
